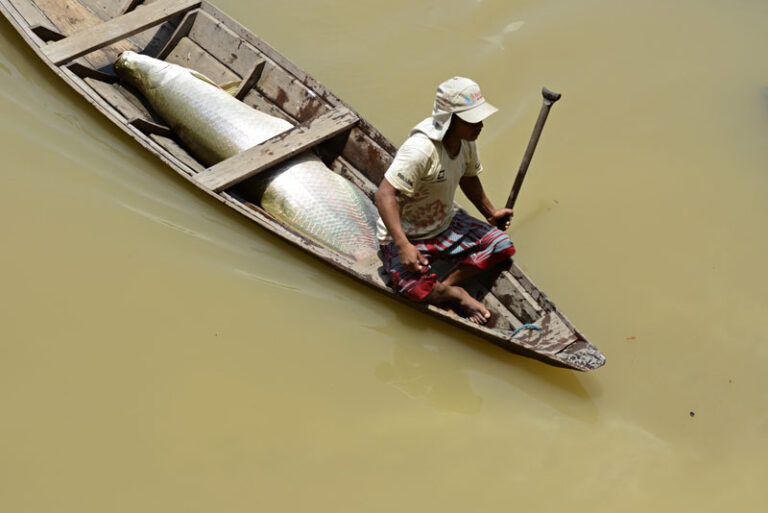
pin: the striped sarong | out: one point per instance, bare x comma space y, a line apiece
480, 244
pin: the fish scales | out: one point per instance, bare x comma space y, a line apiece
334, 215
302, 192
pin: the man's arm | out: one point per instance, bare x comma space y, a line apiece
389, 210
473, 189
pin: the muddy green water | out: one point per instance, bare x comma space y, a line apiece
159, 353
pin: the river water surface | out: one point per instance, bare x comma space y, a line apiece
159, 353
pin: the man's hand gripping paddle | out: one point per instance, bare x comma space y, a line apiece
549, 98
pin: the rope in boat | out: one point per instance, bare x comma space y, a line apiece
534, 327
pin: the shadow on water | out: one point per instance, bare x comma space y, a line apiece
424, 366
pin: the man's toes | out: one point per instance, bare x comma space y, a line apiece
479, 318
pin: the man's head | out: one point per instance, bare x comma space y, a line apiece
462, 98
462, 130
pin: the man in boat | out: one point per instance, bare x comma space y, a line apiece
418, 222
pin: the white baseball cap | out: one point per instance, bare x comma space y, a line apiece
460, 96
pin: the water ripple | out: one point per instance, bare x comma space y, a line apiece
262, 279
165, 222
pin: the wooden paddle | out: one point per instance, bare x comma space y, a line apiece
549, 98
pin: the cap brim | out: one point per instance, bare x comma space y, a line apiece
477, 114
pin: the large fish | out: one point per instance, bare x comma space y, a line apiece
302, 192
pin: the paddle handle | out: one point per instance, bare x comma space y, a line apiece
550, 98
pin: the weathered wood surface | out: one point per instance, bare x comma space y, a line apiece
35, 17
149, 40
148, 127
190, 166
84, 71
46, 33
122, 27
130, 5
181, 30
553, 337
230, 49
73, 18
507, 288
259, 102
280, 87
113, 95
501, 317
124, 101
341, 166
189, 54
250, 80
106, 9
365, 154
277, 149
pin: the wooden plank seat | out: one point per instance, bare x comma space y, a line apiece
116, 29
277, 149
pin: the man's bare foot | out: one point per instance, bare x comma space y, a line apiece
475, 310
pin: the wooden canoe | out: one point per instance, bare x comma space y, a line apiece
80, 39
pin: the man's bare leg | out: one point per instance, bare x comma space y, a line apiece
461, 274
443, 293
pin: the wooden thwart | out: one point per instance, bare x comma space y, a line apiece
116, 29
275, 150
250, 80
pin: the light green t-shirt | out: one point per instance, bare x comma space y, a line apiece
427, 178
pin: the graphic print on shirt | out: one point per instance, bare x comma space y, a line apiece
423, 215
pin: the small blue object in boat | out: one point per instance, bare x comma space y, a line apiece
534, 327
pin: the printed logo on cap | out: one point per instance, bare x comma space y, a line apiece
473, 98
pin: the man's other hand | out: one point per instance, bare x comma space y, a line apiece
411, 258
501, 218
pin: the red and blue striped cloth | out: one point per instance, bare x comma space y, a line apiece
482, 246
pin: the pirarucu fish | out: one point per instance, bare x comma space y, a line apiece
302, 192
